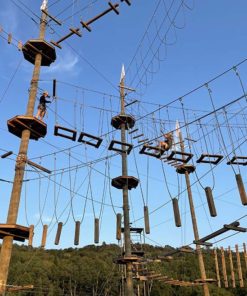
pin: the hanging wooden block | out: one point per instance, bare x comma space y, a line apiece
241, 189
58, 234
9, 38
31, 233
118, 231
77, 233
96, 230
210, 201
19, 45
44, 236
176, 212
146, 220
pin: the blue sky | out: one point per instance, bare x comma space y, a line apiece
205, 39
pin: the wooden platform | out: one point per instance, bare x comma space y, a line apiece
34, 46
152, 151
118, 120
19, 123
113, 147
121, 181
136, 253
126, 259
134, 230
19, 233
182, 169
210, 158
70, 133
184, 157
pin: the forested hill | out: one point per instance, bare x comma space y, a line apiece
91, 271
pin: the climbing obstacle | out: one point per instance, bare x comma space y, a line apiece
34, 46
210, 158
152, 151
19, 123
185, 156
113, 147
96, 140
71, 133
18, 232
122, 181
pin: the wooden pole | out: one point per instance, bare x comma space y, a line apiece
232, 268
245, 255
217, 268
44, 236
31, 233
224, 267
240, 275
194, 223
7, 243
146, 220
129, 291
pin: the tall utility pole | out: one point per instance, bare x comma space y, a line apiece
193, 218
7, 244
127, 242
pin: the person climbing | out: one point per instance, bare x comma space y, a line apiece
42, 105
167, 143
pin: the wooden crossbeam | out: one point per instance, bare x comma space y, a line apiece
131, 103
38, 166
226, 227
51, 17
75, 31
6, 154
126, 1
133, 131
112, 7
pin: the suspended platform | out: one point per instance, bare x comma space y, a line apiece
185, 157
134, 230
126, 259
19, 123
121, 146
210, 158
121, 181
34, 46
239, 160
118, 120
152, 151
185, 168
18, 232
136, 253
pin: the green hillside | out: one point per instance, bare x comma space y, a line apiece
91, 271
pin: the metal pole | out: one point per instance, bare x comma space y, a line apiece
127, 243
7, 244
194, 223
